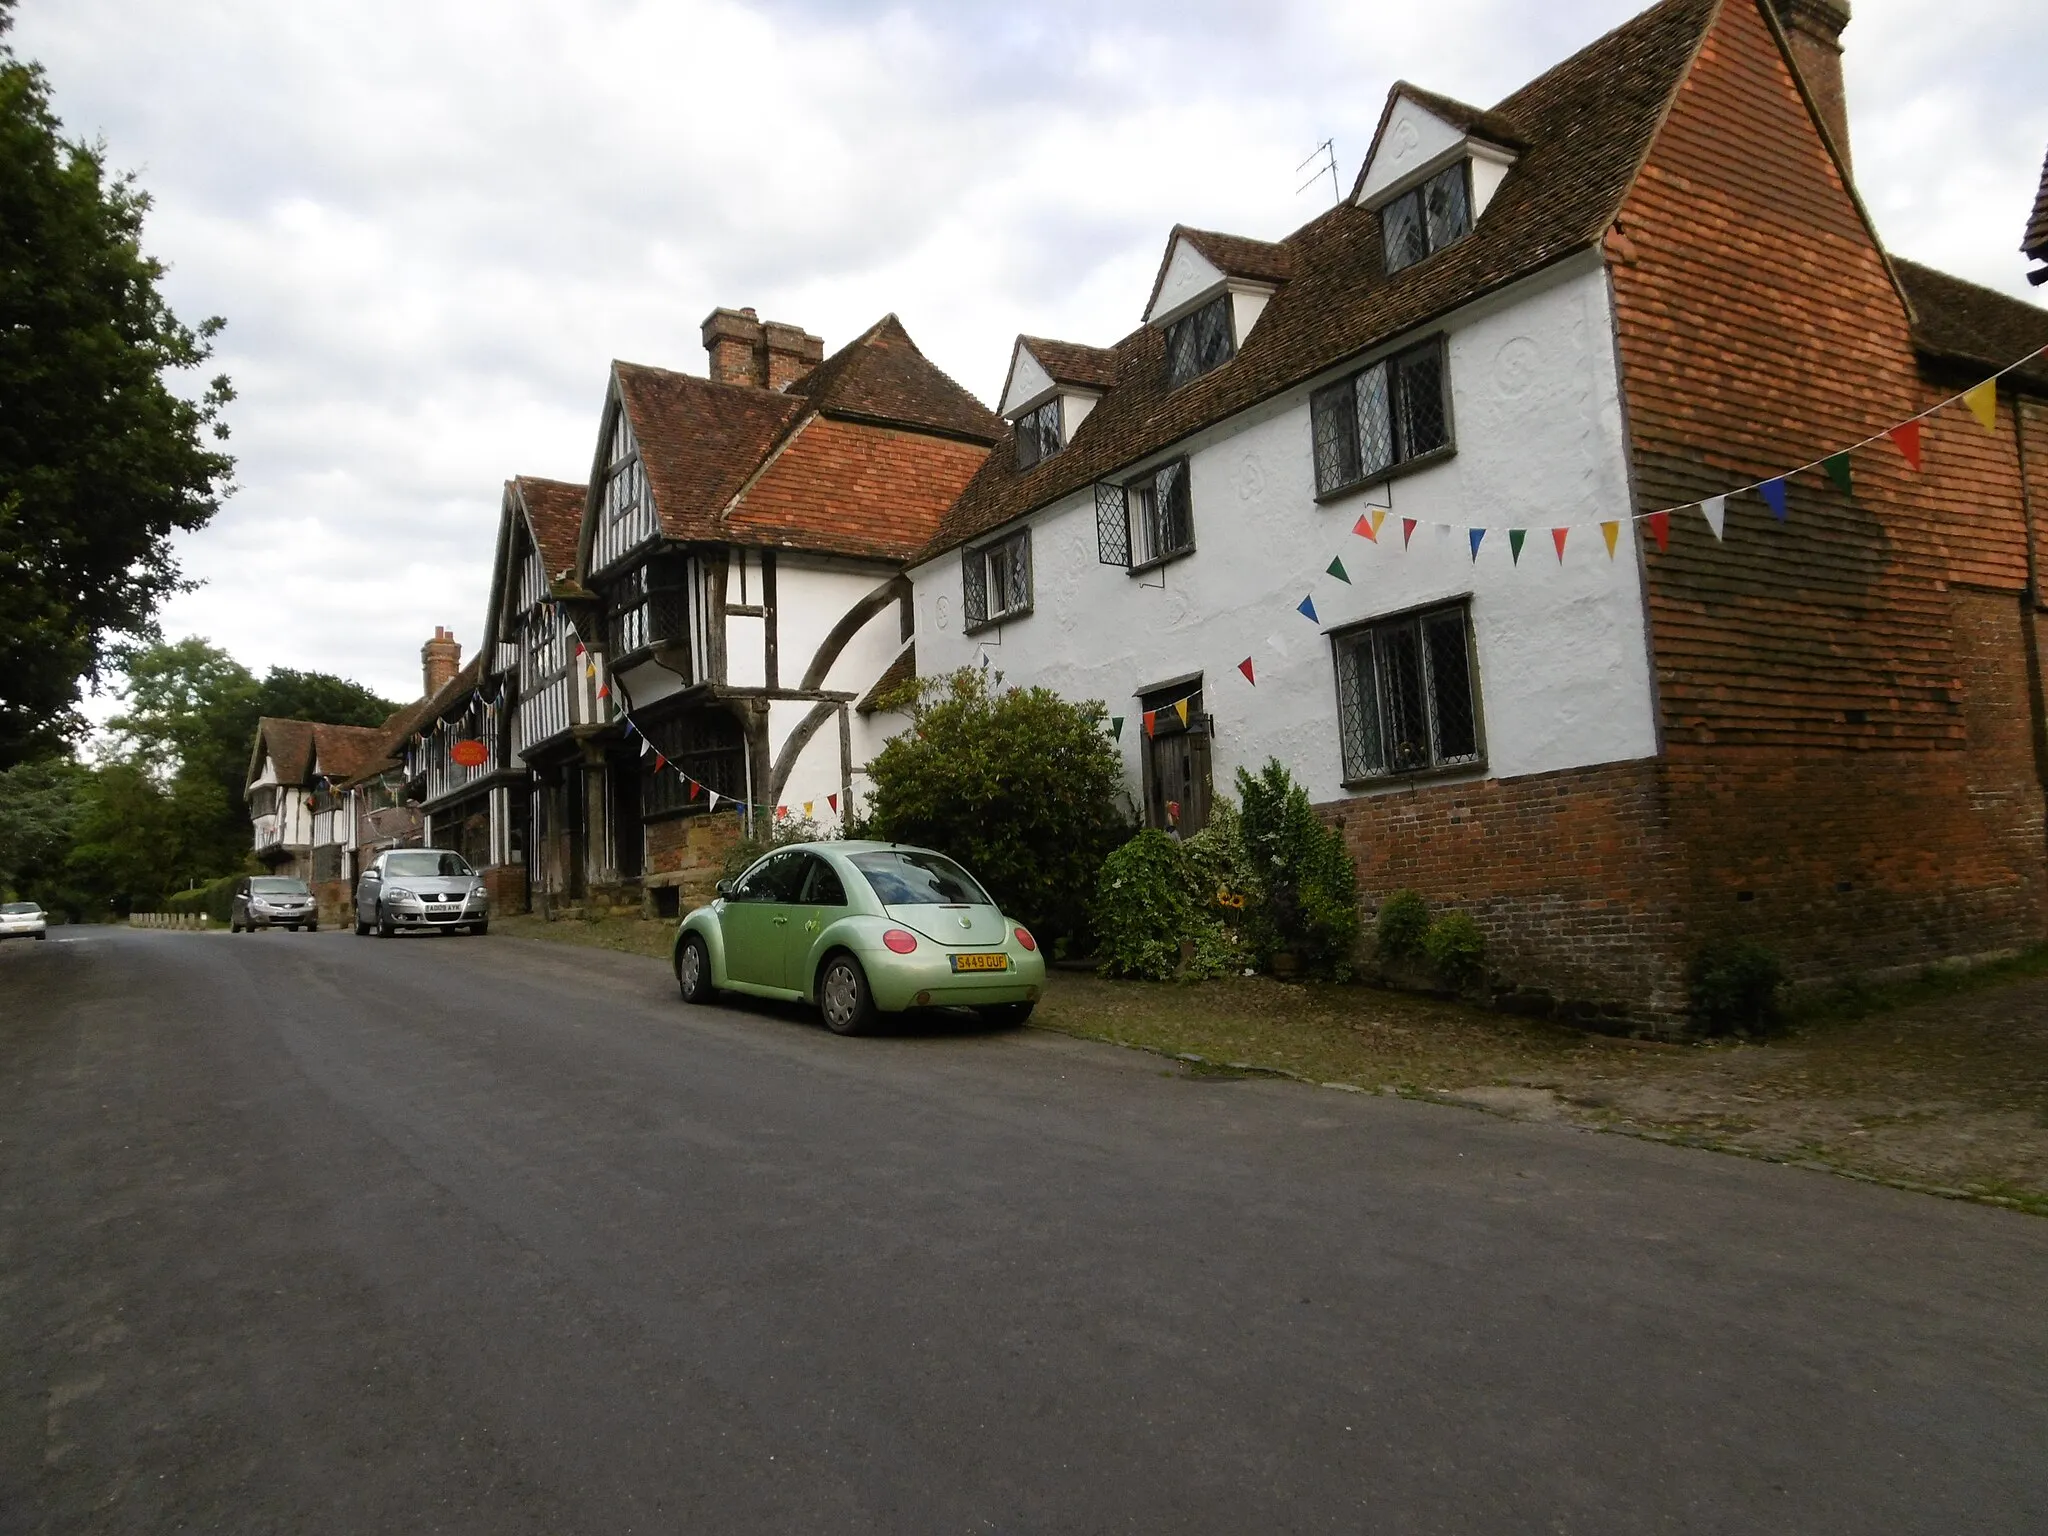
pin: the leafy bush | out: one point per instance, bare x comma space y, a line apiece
769, 833
1402, 926
1456, 950
1734, 985
1151, 897
1020, 785
1301, 867
215, 899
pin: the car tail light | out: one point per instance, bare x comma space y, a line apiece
900, 941
1024, 938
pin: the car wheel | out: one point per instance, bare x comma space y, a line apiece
844, 998
693, 972
479, 929
41, 936
362, 928
386, 929
233, 926
312, 927
1011, 1014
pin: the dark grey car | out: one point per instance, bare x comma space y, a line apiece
420, 888
272, 901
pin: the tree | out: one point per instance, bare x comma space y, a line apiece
1018, 784
101, 461
39, 805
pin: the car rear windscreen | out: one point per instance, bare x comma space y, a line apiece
902, 877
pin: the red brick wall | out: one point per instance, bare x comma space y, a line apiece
1837, 709
689, 852
1572, 875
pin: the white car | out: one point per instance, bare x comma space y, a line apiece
23, 920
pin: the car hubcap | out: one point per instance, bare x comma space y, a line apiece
842, 993
693, 960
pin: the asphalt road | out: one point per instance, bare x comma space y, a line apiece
311, 1233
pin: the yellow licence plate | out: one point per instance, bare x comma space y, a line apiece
981, 962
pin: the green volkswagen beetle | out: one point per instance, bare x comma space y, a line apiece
860, 929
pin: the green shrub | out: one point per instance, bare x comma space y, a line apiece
1149, 901
1022, 786
1456, 950
1303, 871
1402, 925
215, 899
770, 832
1734, 985
1223, 880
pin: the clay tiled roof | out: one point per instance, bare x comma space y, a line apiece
343, 751
554, 511
699, 441
1069, 362
900, 671
881, 376
1962, 323
401, 724
1264, 261
1585, 125
289, 745
2036, 242
862, 456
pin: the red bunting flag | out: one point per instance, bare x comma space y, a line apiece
1660, 528
781, 810
833, 801
1907, 437
1245, 667
1148, 721
696, 789
1557, 537
604, 690
1407, 530
660, 762
1364, 528
579, 647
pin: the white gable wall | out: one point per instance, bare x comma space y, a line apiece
1028, 382
1562, 660
1189, 276
1413, 139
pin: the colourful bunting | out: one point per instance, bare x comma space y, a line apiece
1557, 537
1245, 667
781, 811
1773, 491
1148, 721
1660, 528
660, 762
807, 806
697, 789
1907, 436
833, 801
1180, 707
1515, 538
1379, 515
1983, 404
712, 803
1475, 534
1307, 609
1364, 528
646, 746
1610, 532
1715, 510
1336, 569
1116, 727
1407, 530
1837, 466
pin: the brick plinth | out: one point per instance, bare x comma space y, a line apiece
688, 854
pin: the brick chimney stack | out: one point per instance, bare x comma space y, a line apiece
1814, 29
743, 350
440, 660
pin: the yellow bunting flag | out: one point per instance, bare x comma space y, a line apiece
1181, 709
1610, 532
1983, 404
1379, 515
807, 806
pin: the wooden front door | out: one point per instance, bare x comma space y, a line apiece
1176, 757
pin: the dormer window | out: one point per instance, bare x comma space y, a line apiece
1198, 341
1426, 218
1038, 433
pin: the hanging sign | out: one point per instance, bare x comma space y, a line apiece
469, 754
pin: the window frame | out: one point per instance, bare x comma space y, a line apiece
1045, 411
1419, 193
1174, 327
1399, 463
976, 583
1352, 638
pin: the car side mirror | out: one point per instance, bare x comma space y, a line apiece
724, 887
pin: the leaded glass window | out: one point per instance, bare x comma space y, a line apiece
1427, 218
1198, 341
1161, 515
1405, 696
1038, 434
1394, 411
996, 579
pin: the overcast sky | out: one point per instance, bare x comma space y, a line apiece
430, 225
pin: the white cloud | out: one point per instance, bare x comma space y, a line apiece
432, 224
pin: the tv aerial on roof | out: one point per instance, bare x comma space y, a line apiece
1326, 152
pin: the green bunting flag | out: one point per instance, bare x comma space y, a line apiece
1116, 726
1515, 537
1337, 570
1837, 466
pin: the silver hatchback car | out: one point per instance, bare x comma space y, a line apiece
420, 888
272, 901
